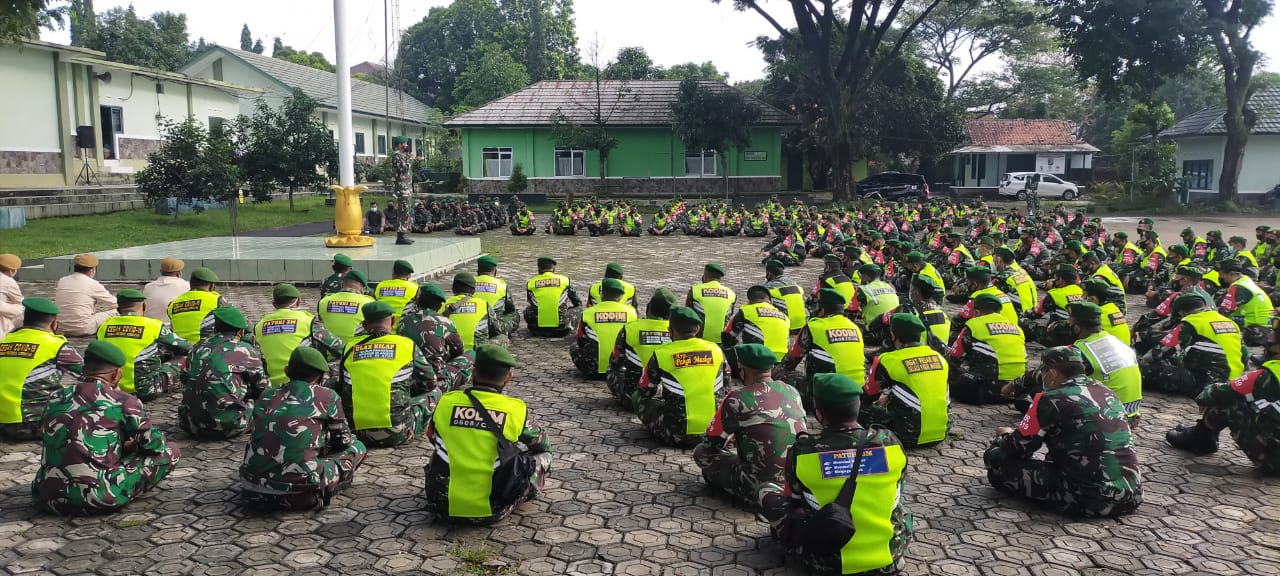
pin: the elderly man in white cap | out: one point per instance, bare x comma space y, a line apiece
79, 297
10, 294
161, 291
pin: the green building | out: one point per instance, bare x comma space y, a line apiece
650, 159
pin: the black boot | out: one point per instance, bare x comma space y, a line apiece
403, 240
1199, 439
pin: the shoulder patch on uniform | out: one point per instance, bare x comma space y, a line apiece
1030, 424
1224, 327
919, 364
1244, 384
18, 350
843, 335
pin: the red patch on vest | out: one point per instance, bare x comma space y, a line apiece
1229, 302
1244, 384
1030, 424
958, 350
873, 384
1171, 339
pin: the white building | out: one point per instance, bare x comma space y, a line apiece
1202, 137
996, 146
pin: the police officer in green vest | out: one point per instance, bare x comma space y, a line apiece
757, 322
477, 323
341, 311
1245, 303
614, 270
818, 467
33, 360
599, 329
145, 342
398, 291
785, 295
830, 342
874, 297
989, 354
636, 345
280, 332
387, 386
462, 482
907, 387
712, 301
493, 290
189, 312
1064, 289
682, 385
341, 265
553, 303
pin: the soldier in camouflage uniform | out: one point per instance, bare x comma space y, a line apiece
300, 451
922, 303
414, 389
152, 376
976, 370
402, 187
627, 363
663, 411
1249, 406
747, 442
505, 308
32, 388
914, 400
438, 339
99, 449
222, 376
1152, 326
341, 265
1186, 360
791, 507
1053, 331
1091, 467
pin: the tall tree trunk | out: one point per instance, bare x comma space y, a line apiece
1231, 41
1233, 152
233, 210
177, 208
291, 198
724, 173
604, 177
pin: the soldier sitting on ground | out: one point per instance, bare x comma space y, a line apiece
599, 329
1091, 467
341, 265
221, 376
552, 302
476, 322
437, 337
906, 387
1063, 289
189, 312
989, 354
757, 322
300, 451
713, 302
99, 451
493, 290
145, 342
830, 342
340, 311
388, 389
33, 361
636, 344
613, 270
1247, 304
682, 384
278, 333
397, 291
1204, 348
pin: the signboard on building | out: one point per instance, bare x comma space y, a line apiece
755, 155
1051, 163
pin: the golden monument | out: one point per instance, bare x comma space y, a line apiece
348, 219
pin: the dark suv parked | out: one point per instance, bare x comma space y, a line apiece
893, 186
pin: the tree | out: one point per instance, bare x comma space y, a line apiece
1132, 47
693, 71
189, 166
23, 19
597, 108
492, 75
219, 174
518, 182
1151, 164
632, 63
315, 60
257, 47
841, 71
753, 88
84, 23
711, 117
246, 38
285, 147
960, 34
159, 41
541, 35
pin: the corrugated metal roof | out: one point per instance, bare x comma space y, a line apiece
625, 103
1208, 122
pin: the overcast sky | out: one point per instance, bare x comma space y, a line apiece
672, 31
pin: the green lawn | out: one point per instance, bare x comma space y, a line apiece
76, 234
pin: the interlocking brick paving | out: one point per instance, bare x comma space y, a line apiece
618, 503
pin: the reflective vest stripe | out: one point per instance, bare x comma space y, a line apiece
606, 320
697, 366
823, 475
548, 291
840, 341
924, 373
132, 335
714, 300
469, 314
341, 313
1007, 343
773, 326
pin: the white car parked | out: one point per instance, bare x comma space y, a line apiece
1015, 184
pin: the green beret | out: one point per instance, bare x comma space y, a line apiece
306, 357
204, 275
1096, 287
1188, 231
1230, 265
908, 246
357, 275
832, 258
713, 268
546, 261
1217, 233
1263, 228
486, 263
282, 291
1180, 248
915, 257
877, 236
895, 243
402, 267
1122, 235
613, 268
230, 317
41, 306
1067, 270
1147, 221
774, 264
106, 353
685, 319
977, 273
1005, 254
907, 327
989, 298
343, 260
829, 298
432, 290
493, 354
1087, 311
1075, 245
465, 279
927, 286
1237, 240
612, 285
130, 296
1189, 271
1188, 302
1061, 355
398, 140
833, 388
666, 295
377, 310
755, 356
871, 269
1090, 256
955, 235
987, 241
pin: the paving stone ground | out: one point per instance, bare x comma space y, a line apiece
618, 503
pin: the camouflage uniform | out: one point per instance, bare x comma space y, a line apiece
1178, 366
788, 509
100, 451
1250, 407
902, 412
623, 377
663, 414
878, 328
402, 187
40, 384
300, 450
412, 401
1152, 326
761, 420
438, 339
331, 284
152, 376
1091, 468
220, 379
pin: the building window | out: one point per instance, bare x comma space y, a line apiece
359, 142
569, 162
700, 163
216, 124
1198, 174
217, 69
497, 162
382, 144
417, 146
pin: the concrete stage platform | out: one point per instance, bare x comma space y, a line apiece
258, 259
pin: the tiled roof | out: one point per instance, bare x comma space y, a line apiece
366, 97
626, 103
1208, 122
1017, 132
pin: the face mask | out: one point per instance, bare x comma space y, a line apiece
374, 209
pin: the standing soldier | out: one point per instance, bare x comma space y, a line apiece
189, 313
613, 270
713, 302
221, 376
402, 186
756, 424
341, 311
552, 301
785, 295
398, 291
437, 337
907, 387
989, 353
288, 327
1205, 347
757, 322
830, 342
599, 328
341, 265
636, 344
1091, 468
474, 319
388, 389
682, 384
33, 360
99, 451
146, 374
493, 290
1247, 304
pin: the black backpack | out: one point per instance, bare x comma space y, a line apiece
826, 531
511, 478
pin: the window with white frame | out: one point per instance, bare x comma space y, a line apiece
700, 163
569, 162
497, 162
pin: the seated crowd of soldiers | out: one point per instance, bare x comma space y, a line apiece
461, 216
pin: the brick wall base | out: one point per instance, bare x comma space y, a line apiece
19, 162
137, 148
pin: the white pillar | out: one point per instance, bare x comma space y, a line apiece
346, 137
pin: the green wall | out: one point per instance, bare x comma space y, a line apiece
641, 153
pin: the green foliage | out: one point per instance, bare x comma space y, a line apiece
190, 165
285, 147
541, 35
246, 38
492, 75
84, 22
158, 41
23, 19
694, 71
632, 63
753, 88
315, 60
707, 118
518, 182
1150, 163
958, 35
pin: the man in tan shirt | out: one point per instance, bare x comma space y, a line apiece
161, 291
10, 294
79, 296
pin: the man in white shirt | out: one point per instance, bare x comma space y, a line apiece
79, 296
10, 294
161, 291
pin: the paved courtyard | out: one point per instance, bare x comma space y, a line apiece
618, 503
